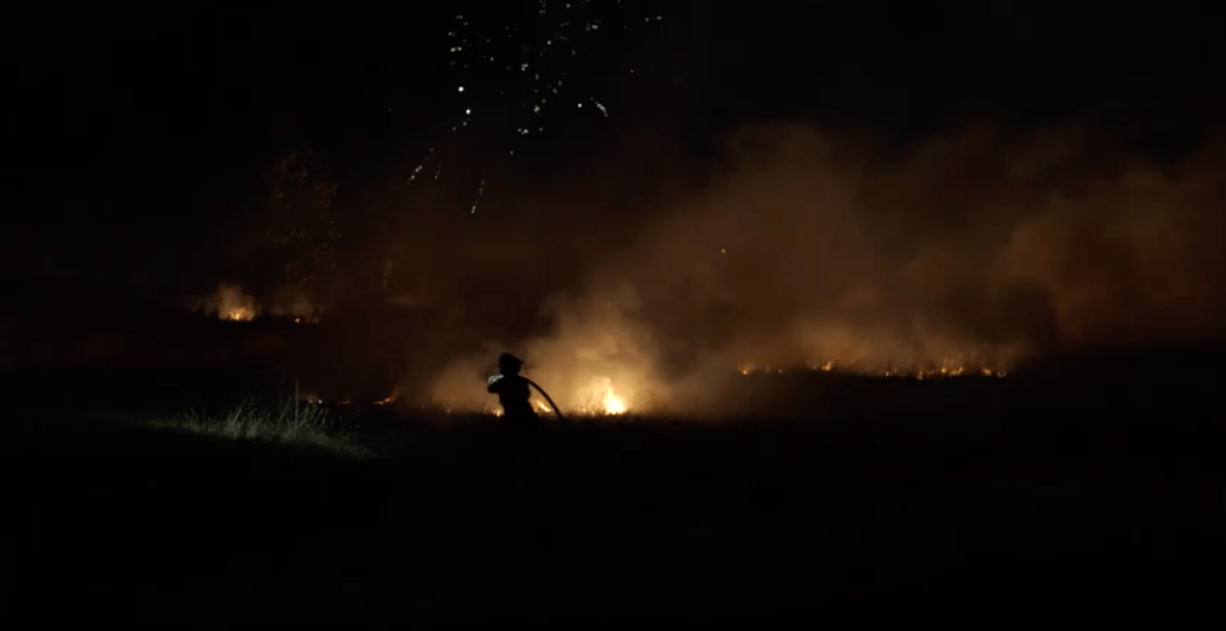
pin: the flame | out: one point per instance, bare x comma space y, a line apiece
613, 404
232, 304
950, 367
604, 400
389, 399
228, 303
240, 314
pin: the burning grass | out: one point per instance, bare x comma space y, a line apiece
627, 399
950, 367
1030, 490
231, 303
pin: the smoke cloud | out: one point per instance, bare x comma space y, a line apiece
967, 252
230, 302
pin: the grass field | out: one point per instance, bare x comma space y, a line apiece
1078, 494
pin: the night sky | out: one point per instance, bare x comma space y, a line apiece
139, 135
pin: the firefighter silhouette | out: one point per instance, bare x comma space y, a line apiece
513, 390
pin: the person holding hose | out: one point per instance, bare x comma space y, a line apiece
513, 392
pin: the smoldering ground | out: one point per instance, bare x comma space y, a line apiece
969, 251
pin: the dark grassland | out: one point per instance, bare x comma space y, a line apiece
1087, 490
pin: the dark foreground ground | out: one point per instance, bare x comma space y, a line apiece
1083, 493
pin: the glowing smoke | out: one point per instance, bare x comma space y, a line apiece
597, 362
968, 254
229, 303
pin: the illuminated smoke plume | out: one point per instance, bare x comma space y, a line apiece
807, 250
229, 303
598, 361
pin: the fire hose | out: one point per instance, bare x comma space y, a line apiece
547, 398
541, 391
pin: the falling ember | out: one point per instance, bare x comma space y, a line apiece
492, 53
